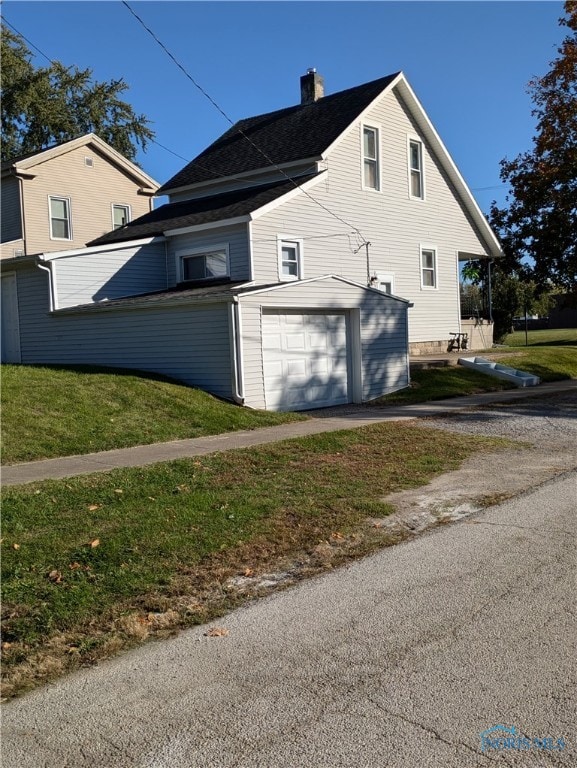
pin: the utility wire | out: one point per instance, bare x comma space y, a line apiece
30, 43
241, 132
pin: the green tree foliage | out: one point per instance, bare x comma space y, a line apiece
42, 106
540, 220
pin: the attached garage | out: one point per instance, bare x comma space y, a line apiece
306, 359
317, 343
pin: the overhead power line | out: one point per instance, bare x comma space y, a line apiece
240, 131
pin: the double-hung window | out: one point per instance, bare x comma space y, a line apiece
371, 170
416, 177
60, 228
290, 259
428, 267
120, 216
207, 264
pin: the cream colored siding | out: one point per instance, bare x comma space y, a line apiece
187, 343
395, 225
91, 277
236, 237
380, 348
91, 190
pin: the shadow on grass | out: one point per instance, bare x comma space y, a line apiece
102, 369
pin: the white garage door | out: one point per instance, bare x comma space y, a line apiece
305, 359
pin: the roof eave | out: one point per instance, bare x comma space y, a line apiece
242, 176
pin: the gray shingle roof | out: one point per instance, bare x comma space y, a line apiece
202, 210
285, 136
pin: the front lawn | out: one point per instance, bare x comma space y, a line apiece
50, 411
547, 337
96, 563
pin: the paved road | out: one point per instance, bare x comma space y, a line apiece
400, 660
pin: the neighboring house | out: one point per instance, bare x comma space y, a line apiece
273, 275
66, 195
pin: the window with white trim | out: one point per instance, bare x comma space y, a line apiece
60, 225
428, 267
206, 264
290, 264
120, 216
371, 162
416, 177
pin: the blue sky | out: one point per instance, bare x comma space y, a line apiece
468, 62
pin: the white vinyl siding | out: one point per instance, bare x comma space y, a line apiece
105, 275
235, 239
377, 334
390, 221
188, 343
60, 218
10, 325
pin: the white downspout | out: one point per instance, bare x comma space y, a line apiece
236, 351
51, 291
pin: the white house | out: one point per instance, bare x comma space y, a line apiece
274, 274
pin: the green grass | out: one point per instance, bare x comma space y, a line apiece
551, 363
553, 337
79, 556
441, 383
61, 411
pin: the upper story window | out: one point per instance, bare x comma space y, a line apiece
120, 216
371, 170
205, 264
428, 267
416, 177
60, 225
290, 259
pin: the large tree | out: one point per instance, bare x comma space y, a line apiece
539, 220
42, 106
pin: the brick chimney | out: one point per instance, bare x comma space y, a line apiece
312, 87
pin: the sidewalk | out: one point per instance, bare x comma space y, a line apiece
326, 420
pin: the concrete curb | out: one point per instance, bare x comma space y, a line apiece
328, 420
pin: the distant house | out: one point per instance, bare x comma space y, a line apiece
275, 273
64, 196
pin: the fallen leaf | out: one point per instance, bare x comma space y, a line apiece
6, 645
93, 507
15, 546
55, 576
337, 536
95, 543
217, 632
118, 490
377, 525
248, 572
74, 566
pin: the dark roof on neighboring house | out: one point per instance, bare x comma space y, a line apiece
202, 210
285, 136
